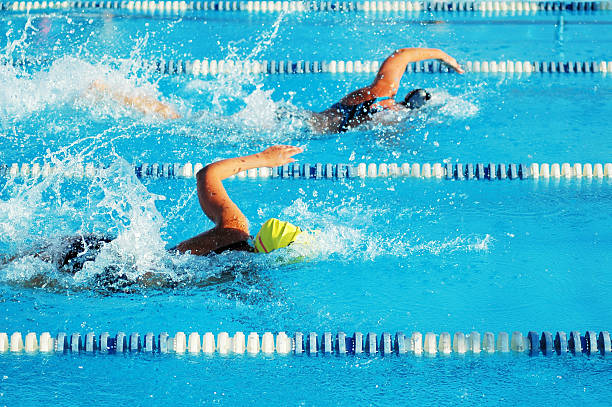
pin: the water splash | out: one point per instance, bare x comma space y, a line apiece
445, 105
234, 105
240, 103
113, 204
266, 39
352, 231
19, 44
66, 82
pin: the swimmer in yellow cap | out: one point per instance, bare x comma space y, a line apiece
231, 231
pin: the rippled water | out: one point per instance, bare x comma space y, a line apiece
382, 254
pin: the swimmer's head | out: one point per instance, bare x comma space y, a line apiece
416, 99
275, 234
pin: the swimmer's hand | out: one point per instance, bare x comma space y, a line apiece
450, 61
99, 85
96, 89
278, 155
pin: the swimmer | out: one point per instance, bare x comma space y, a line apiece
361, 105
354, 109
231, 230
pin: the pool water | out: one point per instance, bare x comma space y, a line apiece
397, 254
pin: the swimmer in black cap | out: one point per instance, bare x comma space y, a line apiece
360, 106
354, 109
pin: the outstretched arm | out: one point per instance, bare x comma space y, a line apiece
144, 104
230, 223
391, 71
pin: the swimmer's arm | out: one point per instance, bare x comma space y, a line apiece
144, 104
391, 71
231, 225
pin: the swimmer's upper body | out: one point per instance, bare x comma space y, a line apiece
359, 106
231, 229
354, 109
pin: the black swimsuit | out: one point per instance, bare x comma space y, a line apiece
70, 253
351, 114
242, 246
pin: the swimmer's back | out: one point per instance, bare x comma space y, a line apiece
70, 253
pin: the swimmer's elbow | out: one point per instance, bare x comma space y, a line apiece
203, 174
208, 175
168, 113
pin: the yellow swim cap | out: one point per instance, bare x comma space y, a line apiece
275, 234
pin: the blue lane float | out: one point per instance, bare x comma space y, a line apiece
509, 8
449, 171
546, 343
311, 343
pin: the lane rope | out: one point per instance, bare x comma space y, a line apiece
213, 67
449, 171
311, 343
175, 7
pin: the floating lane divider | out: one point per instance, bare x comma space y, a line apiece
505, 7
458, 171
311, 343
214, 67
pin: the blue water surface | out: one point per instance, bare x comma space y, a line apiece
386, 255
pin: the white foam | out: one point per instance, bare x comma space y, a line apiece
138, 247
115, 204
442, 103
66, 83
349, 232
259, 112
442, 107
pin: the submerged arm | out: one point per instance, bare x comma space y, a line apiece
143, 103
391, 71
230, 223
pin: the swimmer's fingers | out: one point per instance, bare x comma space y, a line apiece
280, 155
452, 62
458, 68
96, 89
99, 85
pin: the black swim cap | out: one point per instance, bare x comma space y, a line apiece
417, 98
